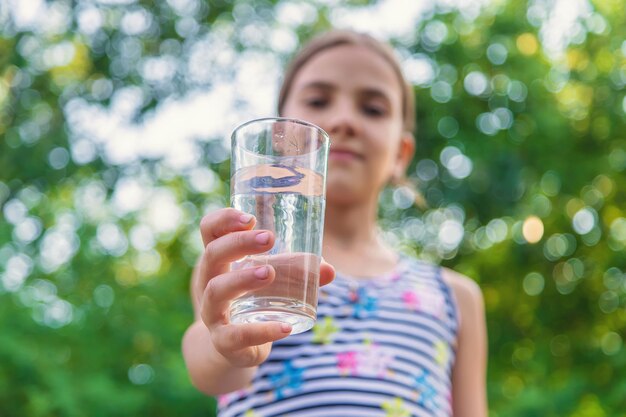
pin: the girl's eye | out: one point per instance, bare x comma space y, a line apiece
375, 111
317, 103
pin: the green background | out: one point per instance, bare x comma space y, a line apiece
511, 126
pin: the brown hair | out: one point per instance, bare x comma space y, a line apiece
335, 38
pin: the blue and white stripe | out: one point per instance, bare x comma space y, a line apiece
396, 355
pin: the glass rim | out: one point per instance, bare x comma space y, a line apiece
323, 133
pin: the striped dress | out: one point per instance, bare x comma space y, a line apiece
381, 347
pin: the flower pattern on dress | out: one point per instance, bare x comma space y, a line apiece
395, 408
411, 300
375, 361
323, 331
289, 378
395, 276
347, 363
365, 305
426, 392
225, 399
370, 361
424, 299
441, 352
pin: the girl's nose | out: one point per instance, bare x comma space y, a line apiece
343, 122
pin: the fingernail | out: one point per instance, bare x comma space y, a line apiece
261, 273
262, 238
245, 218
285, 327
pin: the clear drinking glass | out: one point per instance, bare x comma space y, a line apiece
278, 174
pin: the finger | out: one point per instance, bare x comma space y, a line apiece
221, 290
221, 222
235, 337
219, 253
327, 273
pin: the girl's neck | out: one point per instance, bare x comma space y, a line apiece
352, 242
349, 226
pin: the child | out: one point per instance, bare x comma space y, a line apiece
395, 336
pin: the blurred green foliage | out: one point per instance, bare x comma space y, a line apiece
521, 159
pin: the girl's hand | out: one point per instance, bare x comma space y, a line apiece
228, 236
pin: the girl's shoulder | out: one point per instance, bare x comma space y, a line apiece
460, 283
467, 292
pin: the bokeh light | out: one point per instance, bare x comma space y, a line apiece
559, 245
532, 229
476, 83
527, 44
611, 343
533, 283
584, 220
141, 374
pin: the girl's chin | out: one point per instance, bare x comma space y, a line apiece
345, 194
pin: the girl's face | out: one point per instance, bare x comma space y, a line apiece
356, 97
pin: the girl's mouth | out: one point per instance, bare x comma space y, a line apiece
343, 155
